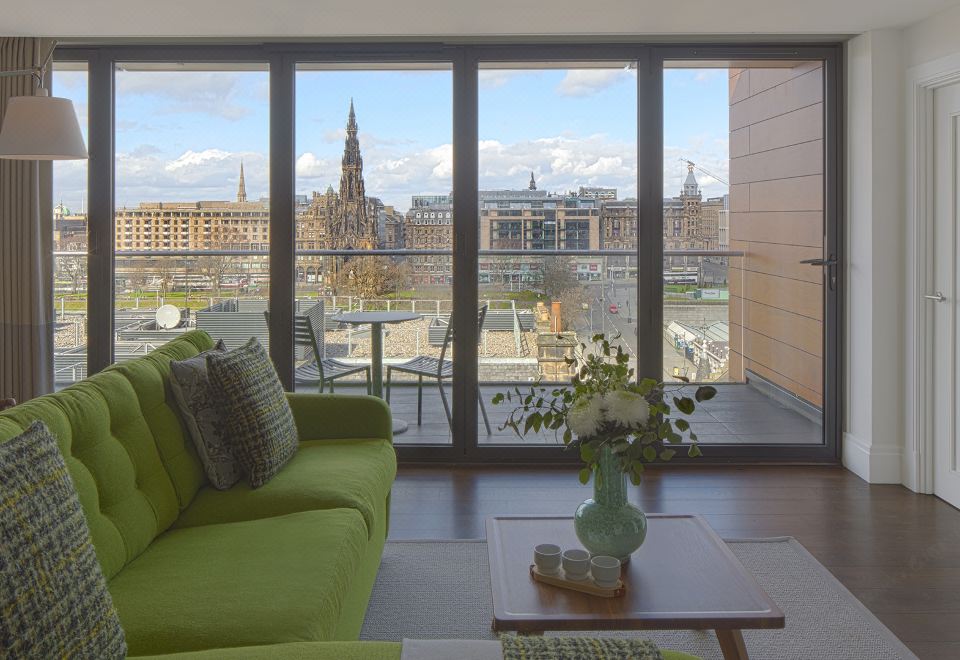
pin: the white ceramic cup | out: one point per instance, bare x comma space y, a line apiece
547, 558
605, 570
576, 564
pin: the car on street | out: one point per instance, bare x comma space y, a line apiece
614, 309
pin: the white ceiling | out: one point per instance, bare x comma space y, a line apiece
302, 19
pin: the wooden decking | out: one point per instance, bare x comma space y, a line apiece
739, 414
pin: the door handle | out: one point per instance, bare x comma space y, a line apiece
830, 264
937, 297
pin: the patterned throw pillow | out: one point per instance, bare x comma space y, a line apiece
255, 409
518, 647
204, 419
54, 601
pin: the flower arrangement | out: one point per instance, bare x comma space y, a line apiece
604, 407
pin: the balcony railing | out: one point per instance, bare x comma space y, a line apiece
696, 311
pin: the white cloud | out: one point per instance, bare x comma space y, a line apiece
584, 82
315, 173
493, 78
193, 160
214, 93
560, 164
70, 183
706, 75
146, 175
394, 172
712, 154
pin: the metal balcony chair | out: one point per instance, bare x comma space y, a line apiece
308, 333
430, 367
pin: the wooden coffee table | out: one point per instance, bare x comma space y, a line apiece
684, 577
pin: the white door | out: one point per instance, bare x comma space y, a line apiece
943, 299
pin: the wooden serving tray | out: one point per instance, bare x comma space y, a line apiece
583, 586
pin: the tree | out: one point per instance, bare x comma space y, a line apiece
74, 269
165, 270
558, 277
214, 267
560, 285
370, 277
572, 302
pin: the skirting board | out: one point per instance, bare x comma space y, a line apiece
874, 464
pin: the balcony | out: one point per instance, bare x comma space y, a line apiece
596, 289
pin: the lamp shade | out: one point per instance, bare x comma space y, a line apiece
41, 128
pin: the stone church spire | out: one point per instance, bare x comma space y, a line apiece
533, 182
352, 227
242, 186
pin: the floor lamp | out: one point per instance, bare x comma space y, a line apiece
40, 127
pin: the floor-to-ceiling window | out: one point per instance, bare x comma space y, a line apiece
557, 220
192, 212
70, 242
663, 195
743, 218
374, 233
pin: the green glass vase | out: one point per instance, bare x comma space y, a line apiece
607, 524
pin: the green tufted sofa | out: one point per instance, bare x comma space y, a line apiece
193, 568
284, 571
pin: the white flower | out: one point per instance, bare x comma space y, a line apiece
626, 408
586, 417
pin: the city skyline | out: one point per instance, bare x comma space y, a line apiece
210, 121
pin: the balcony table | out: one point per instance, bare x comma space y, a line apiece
376, 321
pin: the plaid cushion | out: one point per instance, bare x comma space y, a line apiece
203, 418
54, 601
255, 410
516, 647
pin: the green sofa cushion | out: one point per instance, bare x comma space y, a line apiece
266, 581
150, 377
322, 651
324, 474
133, 467
126, 493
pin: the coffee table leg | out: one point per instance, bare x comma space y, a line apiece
731, 644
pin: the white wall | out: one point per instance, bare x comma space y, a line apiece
932, 39
879, 437
873, 439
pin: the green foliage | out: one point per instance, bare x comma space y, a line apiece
601, 369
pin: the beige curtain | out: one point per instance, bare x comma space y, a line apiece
26, 248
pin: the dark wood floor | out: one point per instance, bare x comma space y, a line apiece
897, 551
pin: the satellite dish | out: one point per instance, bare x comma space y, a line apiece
168, 317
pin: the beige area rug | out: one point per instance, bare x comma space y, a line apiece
441, 589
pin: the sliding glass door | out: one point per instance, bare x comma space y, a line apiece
508, 202
749, 270
70, 241
374, 233
191, 205
557, 223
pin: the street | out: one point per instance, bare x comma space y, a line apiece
598, 319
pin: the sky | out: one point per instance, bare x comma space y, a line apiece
181, 135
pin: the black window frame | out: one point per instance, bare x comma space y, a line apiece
465, 59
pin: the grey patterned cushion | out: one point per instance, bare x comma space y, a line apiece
521, 647
54, 601
255, 410
203, 417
